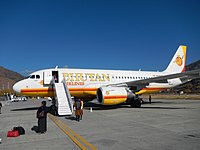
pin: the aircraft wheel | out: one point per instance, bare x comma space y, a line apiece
136, 103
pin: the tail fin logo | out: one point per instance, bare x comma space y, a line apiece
177, 63
179, 60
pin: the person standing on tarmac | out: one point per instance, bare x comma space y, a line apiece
0, 107
77, 108
81, 117
149, 98
42, 118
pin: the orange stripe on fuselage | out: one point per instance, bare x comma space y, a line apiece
37, 90
45, 92
51, 89
82, 92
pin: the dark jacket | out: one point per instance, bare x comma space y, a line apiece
42, 112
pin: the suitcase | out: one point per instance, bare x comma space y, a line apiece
20, 130
13, 133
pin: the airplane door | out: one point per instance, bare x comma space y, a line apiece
47, 76
55, 76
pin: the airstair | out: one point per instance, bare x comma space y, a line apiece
64, 102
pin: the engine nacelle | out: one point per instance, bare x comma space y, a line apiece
112, 95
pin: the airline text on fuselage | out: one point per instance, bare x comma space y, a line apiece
86, 77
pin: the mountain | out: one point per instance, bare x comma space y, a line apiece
193, 66
8, 78
192, 86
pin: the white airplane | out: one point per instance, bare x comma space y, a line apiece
110, 87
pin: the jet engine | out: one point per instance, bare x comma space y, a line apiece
116, 95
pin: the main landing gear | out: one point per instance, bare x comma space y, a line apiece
136, 102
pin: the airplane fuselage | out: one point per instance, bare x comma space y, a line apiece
81, 82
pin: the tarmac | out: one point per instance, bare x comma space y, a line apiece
164, 124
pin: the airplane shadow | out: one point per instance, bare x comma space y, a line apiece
71, 118
157, 102
28, 109
25, 109
87, 106
152, 107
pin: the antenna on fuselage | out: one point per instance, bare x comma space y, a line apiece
56, 67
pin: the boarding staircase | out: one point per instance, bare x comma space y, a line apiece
64, 102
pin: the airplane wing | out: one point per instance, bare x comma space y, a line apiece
189, 75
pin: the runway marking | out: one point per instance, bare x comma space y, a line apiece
76, 138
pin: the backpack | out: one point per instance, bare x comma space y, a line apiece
41, 114
20, 130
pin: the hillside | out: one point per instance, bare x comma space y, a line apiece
8, 78
194, 85
193, 66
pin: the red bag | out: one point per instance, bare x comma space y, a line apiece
13, 133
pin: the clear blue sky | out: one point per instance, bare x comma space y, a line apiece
104, 34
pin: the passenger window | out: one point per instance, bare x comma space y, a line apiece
37, 76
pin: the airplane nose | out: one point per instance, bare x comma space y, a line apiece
16, 87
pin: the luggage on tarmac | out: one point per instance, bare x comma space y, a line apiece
20, 130
16, 131
13, 133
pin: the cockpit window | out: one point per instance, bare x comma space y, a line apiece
32, 77
28, 77
37, 76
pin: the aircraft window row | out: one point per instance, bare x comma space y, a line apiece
34, 76
122, 77
116, 77
90, 77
